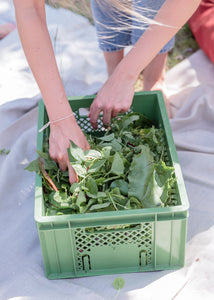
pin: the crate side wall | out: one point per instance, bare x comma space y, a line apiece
170, 241
63, 252
39, 208
58, 252
75, 252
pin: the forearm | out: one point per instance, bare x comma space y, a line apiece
173, 15
39, 52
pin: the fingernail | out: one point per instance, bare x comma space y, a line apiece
76, 177
94, 125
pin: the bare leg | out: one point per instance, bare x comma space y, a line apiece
112, 60
153, 77
154, 73
5, 29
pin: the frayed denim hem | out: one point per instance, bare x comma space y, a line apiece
114, 48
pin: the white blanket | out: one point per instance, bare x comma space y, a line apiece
190, 88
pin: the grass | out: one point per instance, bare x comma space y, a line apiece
81, 7
185, 45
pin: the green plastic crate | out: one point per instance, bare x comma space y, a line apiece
121, 241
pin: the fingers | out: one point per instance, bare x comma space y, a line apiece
64, 164
94, 114
107, 116
86, 145
109, 111
63, 161
59, 142
72, 174
59, 158
116, 111
95, 110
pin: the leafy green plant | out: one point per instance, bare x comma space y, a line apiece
118, 284
4, 151
124, 169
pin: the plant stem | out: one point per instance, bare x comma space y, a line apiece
110, 197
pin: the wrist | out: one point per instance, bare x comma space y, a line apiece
58, 108
61, 116
127, 72
53, 122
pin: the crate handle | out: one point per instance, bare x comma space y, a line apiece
86, 262
143, 258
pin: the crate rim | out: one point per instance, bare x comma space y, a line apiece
159, 211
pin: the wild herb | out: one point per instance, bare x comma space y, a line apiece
124, 169
118, 284
4, 151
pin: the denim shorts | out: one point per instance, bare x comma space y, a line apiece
112, 30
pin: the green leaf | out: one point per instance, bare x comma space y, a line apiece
151, 134
111, 178
65, 187
80, 170
95, 167
81, 199
92, 186
135, 203
106, 151
117, 167
86, 208
119, 200
142, 183
114, 145
75, 153
33, 166
75, 187
91, 195
4, 151
121, 184
101, 194
44, 155
92, 154
106, 138
128, 137
164, 177
129, 121
50, 165
164, 173
100, 180
119, 283
143, 121
59, 199
100, 206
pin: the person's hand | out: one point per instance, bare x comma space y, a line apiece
59, 141
5, 29
113, 98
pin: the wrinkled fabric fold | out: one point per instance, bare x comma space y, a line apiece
189, 86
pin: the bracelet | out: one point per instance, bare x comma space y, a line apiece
54, 121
